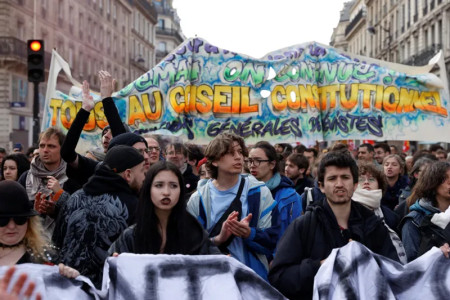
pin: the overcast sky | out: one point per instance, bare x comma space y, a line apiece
257, 27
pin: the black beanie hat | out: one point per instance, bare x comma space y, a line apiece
122, 157
14, 200
127, 138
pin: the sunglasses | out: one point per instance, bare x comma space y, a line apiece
18, 220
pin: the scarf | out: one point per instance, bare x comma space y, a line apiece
370, 199
441, 219
37, 177
274, 181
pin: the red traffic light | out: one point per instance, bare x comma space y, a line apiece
35, 46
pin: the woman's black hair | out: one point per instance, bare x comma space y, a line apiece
22, 162
147, 238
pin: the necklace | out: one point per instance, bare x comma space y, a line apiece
11, 246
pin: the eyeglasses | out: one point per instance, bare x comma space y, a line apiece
364, 179
18, 220
151, 149
255, 162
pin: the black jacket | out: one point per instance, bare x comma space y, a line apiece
92, 219
86, 166
190, 180
199, 243
297, 261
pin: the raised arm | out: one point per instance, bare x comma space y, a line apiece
111, 113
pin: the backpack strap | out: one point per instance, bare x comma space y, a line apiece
308, 231
236, 205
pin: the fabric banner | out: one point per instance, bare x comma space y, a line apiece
304, 93
354, 272
156, 277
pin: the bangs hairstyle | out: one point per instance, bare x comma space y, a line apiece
339, 160
400, 161
147, 237
22, 163
299, 160
218, 147
370, 169
429, 181
270, 152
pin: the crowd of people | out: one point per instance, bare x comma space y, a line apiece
278, 209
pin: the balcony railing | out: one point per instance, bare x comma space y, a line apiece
150, 8
423, 57
15, 48
354, 22
169, 32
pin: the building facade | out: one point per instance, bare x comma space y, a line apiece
168, 30
91, 35
403, 31
338, 39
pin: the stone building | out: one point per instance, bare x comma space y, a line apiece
168, 31
402, 31
115, 35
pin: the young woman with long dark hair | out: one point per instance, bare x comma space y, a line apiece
162, 223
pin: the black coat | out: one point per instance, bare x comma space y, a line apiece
297, 261
199, 243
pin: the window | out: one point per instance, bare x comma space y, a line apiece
20, 30
81, 24
161, 23
162, 46
60, 12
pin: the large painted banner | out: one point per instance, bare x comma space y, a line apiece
354, 272
303, 93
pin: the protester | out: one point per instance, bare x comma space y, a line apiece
154, 148
31, 152
162, 223
309, 240
263, 164
441, 155
394, 167
106, 132
47, 184
426, 224
177, 154
202, 170
97, 214
22, 238
366, 153
295, 170
300, 149
381, 151
402, 208
14, 165
394, 149
194, 155
235, 209
311, 154
434, 148
371, 185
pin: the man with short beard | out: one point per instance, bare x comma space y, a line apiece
308, 240
96, 215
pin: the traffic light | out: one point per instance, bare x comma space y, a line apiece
36, 66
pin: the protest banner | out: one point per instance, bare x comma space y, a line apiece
155, 277
304, 93
355, 272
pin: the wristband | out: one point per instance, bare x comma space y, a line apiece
56, 196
